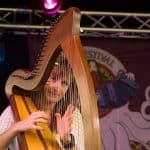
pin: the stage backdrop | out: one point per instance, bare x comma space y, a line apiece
124, 104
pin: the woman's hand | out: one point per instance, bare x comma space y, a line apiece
31, 122
64, 122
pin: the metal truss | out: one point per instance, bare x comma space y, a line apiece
93, 24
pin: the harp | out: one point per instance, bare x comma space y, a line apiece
64, 33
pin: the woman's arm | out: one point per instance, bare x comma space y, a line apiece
7, 137
30, 123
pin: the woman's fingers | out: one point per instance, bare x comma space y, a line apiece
40, 114
37, 117
41, 120
37, 127
69, 110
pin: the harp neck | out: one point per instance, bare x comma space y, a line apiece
65, 26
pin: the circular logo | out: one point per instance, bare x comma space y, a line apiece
104, 68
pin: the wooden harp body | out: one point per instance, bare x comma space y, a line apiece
65, 34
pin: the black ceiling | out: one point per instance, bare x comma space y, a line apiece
110, 5
91, 5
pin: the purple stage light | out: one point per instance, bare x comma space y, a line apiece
52, 6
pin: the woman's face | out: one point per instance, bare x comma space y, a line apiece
56, 86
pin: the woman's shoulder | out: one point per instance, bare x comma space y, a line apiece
7, 111
6, 119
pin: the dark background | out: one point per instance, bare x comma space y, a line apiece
92, 5
15, 53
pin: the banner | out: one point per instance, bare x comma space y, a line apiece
121, 75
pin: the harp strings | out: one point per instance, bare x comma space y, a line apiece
72, 97
59, 91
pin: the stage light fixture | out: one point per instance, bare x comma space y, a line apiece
52, 6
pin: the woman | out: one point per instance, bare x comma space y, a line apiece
62, 122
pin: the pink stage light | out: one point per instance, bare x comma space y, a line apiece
52, 6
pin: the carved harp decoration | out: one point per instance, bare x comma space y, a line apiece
64, 34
